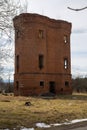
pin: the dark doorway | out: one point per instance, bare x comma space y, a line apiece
17, 85
52, 87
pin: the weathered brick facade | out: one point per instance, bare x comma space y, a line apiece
42, 55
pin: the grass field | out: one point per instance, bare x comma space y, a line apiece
13, 111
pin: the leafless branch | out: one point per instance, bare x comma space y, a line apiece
77, 9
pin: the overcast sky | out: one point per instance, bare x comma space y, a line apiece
57, 9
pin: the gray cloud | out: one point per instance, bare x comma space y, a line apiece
79, 30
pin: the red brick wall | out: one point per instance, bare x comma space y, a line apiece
28, 47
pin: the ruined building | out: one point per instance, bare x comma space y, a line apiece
42, 55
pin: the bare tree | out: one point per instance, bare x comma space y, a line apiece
8, 10
1, 58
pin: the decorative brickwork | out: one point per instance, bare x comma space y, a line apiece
42, 55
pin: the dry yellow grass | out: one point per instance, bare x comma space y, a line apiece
13, 111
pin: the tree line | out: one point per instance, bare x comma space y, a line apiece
79, 84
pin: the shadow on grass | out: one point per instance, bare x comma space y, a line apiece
76, 96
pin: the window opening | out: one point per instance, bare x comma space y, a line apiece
66, 83
65, 39
17, 62
17, 33
61, 90
42, 83
41, 33
41, 61
52, 86
66, 63
17, 85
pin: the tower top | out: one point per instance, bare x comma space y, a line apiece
32, 17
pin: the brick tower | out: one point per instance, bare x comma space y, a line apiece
42, 55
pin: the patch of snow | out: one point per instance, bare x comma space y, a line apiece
27, 129
66, 123
74, 121
22, 129
78, 120
42, 125
57, 124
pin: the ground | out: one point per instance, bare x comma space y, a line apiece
62, 108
